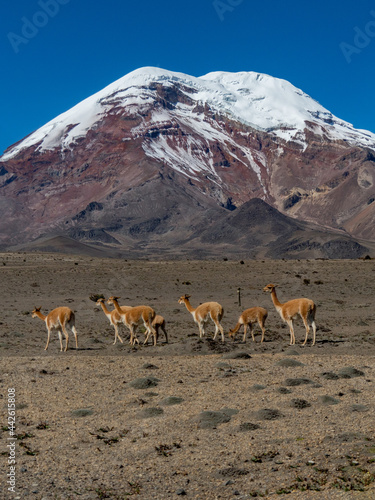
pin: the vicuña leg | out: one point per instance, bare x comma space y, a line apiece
307, 330
244, 332
75, 335
313, 325
165, 333
133, 337
148, 333
201, 330
117, 335
218, 328
48, 337
263, 331
252, 331
60, 339
66, 337
314, 331
292, 337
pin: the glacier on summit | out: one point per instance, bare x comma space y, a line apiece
257, 100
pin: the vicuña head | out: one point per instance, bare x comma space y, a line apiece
112, 299
35, 312
182, 299
269, 288
232, 333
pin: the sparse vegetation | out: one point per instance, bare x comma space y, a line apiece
270, 425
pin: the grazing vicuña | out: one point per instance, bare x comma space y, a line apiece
248, 318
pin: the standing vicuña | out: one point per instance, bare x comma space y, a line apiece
135, 316
113, 316
203, 313
58, 319
291, 309
248, 318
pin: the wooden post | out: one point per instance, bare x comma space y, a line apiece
239, 297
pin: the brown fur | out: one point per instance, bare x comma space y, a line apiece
134, 317
248, 318
113, 316
159, 323
295, 307
58, 319
203, 312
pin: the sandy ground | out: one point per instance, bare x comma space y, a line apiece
192, 418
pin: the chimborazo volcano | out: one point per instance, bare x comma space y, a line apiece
164, 164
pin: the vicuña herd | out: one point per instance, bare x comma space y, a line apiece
62, 317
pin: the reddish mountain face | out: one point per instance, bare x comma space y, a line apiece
158, 161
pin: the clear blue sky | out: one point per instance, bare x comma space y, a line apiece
51, 59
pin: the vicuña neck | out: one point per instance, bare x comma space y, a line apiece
104, 307
117, 307
189, 307
275, 300
40, 315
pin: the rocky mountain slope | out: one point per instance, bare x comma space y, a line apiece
165, 163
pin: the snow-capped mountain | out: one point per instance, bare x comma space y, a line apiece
257, 100
219, 140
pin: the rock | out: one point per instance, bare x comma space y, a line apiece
82, 412
350, 372
330, 376
283, 390
144, 383
171, 400
151, 412
211, 419
300, 403
248, 426
223, 366
289, 362
297, 381
258, 387
292, 352
328, 400
268, 414
229, 411
359, 407
236, 355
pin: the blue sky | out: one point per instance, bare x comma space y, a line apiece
55, 53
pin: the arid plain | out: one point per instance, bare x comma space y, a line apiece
193, 418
